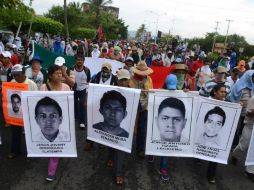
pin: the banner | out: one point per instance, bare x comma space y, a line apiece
112, 115
171, 119
49, 123
186, 125
250, 156
11, 98
94, 64
215, 129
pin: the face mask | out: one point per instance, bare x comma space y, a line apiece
180, 81
105, 74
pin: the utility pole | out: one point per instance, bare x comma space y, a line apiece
215, 34
227, 33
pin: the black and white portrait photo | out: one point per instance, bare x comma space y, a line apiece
14, 104
49, 123
49, 117
170, 120
214, 121
113, 110
111, 115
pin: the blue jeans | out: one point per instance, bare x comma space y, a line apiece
80, 111
141, 131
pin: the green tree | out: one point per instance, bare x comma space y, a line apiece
66, 20
10, 3
47, 25
96, 5
140, 32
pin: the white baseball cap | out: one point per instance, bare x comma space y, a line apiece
60, 61
6, 54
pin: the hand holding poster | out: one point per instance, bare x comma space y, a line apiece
171, 118
215, 129
49, 124
112, 115
12, 102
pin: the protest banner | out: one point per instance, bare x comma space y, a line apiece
171, 118
11, 98
215, 129
49, 123
94, 64
250, 155
112, 115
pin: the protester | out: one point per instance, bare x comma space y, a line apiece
129, 63
241, 67
82, 77
54, 84
116, 54
67, 75
18, 73
234, 77
240, 151
141, 80
35, 72
219, 78
241, 92
96, 52
104, 54
203, 74
105, 76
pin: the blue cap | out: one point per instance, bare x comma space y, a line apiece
171, 82
36, 58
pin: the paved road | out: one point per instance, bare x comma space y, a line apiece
89, 171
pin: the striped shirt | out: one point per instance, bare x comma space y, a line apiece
209, 85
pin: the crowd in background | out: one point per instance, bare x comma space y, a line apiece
191, 69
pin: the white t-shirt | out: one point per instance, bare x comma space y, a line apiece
80, 79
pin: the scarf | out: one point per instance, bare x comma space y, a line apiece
180, 81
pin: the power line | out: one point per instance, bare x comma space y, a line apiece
215, 34
227, 32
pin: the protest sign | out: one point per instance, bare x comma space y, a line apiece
11, 97
49, 123
215, 129
112, 114
250, 156
94, 64
171, 118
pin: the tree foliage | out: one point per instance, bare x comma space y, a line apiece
47, 25
10, 3
96, 5
10, 17
83, 33
140, 32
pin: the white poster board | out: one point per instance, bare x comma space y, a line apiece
171, 118
215, 129
94, 64
49, 123
111, 115
250, 156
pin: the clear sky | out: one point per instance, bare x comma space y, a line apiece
187, 18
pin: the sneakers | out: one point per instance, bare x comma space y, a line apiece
211, 179
50, 178
164, 174
249, 175
82, 126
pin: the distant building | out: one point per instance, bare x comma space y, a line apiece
220, 48
113, 10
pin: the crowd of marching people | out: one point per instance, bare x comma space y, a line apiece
189, 69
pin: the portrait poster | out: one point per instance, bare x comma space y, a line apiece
95, 64
171, 119
215, 129
112, 115
11, 98
49, 123
250, 155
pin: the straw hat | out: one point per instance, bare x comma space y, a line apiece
142, 69
179, 66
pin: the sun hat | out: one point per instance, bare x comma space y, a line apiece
142, 69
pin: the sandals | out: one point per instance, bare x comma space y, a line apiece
110, 164
119, 180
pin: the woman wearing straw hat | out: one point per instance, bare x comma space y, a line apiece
141, 80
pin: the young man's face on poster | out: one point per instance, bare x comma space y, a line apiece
16, 103
213, 125
113, 113
171, 122
48, 119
